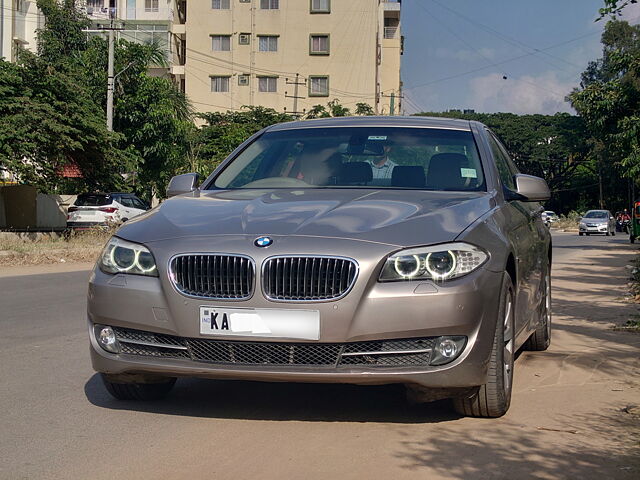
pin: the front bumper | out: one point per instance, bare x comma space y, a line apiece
370, 312
596, 229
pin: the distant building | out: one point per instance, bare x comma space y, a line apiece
19, 20
254, 52
141, 21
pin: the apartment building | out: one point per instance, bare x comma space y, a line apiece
290, 54
19, 20
141, 21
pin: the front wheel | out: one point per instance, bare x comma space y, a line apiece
155, 390
580, 234
540, 339
494, 397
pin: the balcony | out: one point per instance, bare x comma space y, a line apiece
392, 32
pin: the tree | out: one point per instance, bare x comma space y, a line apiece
223, 132
48, 121
613, 8
609, 103
364, 109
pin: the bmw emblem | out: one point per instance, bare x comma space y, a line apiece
263, 242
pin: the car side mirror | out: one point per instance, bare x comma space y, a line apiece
182, 184
531, 189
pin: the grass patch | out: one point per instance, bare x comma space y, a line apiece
81, 246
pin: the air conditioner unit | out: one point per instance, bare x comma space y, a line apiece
243, 80
244, 38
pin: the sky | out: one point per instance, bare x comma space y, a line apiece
458, 52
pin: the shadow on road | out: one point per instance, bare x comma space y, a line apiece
281, 402
514, 451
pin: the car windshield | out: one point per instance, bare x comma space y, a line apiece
92, 200
596, 214
357, 157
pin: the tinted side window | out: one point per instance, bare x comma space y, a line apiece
502, 163
127, 202
137, 203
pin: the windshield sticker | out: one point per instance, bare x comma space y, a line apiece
468, 173
377, 137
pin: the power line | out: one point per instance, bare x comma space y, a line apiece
504, 37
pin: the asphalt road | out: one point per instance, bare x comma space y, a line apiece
567, 418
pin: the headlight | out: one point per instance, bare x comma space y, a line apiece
582, 224
120, 256
439, 262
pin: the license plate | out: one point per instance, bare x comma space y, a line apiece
260, 322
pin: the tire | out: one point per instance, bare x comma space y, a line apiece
588, 234
580, 234
138, 391
494, 397
540, 339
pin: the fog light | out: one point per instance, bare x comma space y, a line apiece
447, 349
107, 339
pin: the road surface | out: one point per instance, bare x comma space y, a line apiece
567, 418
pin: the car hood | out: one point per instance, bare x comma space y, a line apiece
395, 217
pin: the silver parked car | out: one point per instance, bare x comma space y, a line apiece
371, 250
597, 221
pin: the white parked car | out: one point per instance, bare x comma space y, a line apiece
549, 217
100, 209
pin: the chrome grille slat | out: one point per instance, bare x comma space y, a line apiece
217, 276
308, 278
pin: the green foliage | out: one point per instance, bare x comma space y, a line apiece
613, 8
335, 109
52, 111
62, 38
609, 101
47, 121
364, 109
223, 132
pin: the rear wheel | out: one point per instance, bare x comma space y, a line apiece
494, 397
153, 390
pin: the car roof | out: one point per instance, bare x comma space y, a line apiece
377, 121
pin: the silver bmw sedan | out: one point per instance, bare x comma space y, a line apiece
370, 250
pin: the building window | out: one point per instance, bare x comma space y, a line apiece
267, 84
320, 6
319, 86
219, 84
151, 5
319, 44
220, 4
221, 43
269, 4
267, 43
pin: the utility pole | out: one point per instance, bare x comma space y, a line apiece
392, 103
110, 65
295, 96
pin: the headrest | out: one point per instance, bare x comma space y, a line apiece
409, 177
355, 172
444, 171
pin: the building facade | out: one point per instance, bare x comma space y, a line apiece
289, 55
141, 21
19, 21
